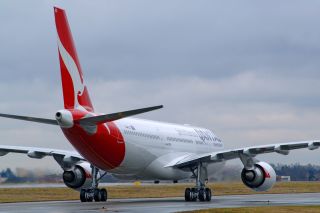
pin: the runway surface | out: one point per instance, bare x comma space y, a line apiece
161, 205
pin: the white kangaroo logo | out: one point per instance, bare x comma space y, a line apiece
72, 68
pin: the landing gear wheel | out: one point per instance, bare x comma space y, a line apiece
208, 194
86, 195
104, 194
97, 195
202, 195
187, 194
193, 194
94, 193
89, 195
83, 195
199, 192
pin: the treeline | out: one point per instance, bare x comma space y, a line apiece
298, 172
24, 176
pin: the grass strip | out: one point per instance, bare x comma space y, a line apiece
149, 191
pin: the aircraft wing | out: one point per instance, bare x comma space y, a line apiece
64, 158
214, 157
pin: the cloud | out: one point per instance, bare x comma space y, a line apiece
248, 71
244, 110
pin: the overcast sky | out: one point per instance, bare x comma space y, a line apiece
248, 70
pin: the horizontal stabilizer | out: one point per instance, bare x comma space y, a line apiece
33, 119
114, 116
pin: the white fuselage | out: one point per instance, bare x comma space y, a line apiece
151, 145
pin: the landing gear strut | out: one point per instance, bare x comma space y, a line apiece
199, 191
94, 193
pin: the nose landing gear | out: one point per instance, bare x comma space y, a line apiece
94, 193
199, 191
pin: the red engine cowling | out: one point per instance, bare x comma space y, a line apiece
261, 178
78, 177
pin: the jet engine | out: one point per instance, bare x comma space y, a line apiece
261, 178
78, 177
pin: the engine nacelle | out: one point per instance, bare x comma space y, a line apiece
78, 177
64, 118
261, 178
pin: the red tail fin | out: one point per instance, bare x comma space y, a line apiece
75, 92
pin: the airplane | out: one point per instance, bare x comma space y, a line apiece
133, 148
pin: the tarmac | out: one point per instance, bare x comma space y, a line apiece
163, 205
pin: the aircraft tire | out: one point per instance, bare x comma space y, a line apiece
97, 195
187, 194
194, 194
104, 194
202, 195
83, 195
208, 194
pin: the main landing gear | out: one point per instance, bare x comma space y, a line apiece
199, 191
94, 193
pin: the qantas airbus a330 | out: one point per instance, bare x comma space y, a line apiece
134, 148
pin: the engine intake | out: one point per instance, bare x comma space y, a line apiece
78, 177
261, 178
